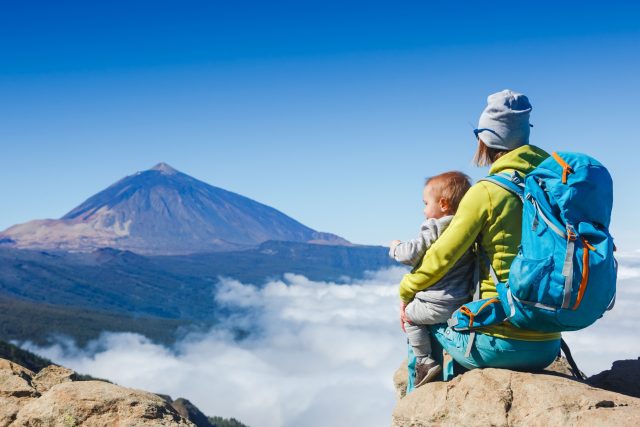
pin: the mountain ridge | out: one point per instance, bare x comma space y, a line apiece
162, 211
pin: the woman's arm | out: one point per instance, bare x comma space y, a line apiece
457, 238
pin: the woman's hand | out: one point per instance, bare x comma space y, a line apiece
403, 315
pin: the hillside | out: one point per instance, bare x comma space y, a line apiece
38, 323
82, 294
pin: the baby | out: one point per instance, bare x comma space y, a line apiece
441, 196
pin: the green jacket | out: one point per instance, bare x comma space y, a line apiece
496, 216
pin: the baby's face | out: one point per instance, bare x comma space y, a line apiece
432, 203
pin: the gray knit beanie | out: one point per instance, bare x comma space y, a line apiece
504, 123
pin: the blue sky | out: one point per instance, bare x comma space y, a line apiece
332, 112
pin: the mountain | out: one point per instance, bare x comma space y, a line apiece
146, 255
162, 211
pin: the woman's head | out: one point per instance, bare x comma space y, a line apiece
503, 125
442, 193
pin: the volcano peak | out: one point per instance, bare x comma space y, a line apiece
164, 168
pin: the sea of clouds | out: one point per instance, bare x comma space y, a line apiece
319, 353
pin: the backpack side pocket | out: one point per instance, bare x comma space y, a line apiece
477, 314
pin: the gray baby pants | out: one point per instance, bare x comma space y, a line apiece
421, 314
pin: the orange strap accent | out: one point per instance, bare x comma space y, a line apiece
468, 312
491, 301
566, 169
585, 271
465, 310
587, 244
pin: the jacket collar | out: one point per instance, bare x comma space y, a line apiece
523, 159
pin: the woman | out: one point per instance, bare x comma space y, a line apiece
491, 216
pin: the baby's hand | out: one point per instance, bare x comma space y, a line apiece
403, 316
394, 243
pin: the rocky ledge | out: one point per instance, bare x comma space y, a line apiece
52, 397
500, 397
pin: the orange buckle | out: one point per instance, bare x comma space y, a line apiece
566, 169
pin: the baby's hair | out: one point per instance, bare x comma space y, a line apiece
450, 186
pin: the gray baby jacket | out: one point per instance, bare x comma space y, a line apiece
455, 287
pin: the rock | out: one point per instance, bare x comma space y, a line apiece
400, 380
15, 380
190, 412
559, 367
501, 397
50, 376
165, 397
623, 377
15, 390
97, 403
52, 398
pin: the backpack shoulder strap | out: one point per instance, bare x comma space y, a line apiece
512, 182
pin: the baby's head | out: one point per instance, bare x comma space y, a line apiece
442, 193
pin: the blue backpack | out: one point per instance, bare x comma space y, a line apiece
564, 275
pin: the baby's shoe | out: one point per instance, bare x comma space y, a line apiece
426, 370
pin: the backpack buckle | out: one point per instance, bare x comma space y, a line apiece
516, 178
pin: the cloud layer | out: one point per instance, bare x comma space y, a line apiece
318, 353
